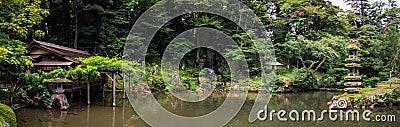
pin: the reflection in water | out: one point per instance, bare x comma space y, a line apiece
88, 113
98, 114
54, 119
101, 114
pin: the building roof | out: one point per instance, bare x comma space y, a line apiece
274, 63
34, 56
67, 50
69, 54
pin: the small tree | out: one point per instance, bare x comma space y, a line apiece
13, 63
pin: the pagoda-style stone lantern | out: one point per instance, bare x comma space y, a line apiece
352, 80
57, 86
273, 64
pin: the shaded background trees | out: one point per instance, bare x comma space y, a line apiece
309, 34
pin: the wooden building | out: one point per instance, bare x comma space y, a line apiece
48, 56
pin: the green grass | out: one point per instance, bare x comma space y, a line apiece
367, 89
391, 87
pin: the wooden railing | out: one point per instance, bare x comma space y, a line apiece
77, 85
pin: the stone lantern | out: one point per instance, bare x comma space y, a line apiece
352, 80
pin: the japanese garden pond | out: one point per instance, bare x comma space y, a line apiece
101, 114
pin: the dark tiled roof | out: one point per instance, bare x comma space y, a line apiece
66, 53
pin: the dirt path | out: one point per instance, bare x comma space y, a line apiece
380, 89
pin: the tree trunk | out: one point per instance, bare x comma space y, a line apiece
387, 25
320, 64
197, 63
76, 31
210, 59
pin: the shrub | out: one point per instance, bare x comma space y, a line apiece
340, 85
328, 82
396, 92
4, 96
383, 82
371, 82
282, 70
389, 98
36, 87
304, 79
384, 76
281, 80
8, 115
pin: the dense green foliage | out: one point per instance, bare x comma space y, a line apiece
372, 82
87, 71
7, 116
35, 86
309, 37
20, 21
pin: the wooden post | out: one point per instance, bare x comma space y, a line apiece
113, 117
123, 112
129, 81
88, 114
390, 78
72, 97
88, 92
113, 89
123, 86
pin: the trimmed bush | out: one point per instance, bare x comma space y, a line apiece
8, 115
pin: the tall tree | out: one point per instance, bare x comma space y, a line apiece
21, 20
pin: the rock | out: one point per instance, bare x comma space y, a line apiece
335, 97
379, 95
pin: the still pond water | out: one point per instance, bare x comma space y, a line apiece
101, 114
